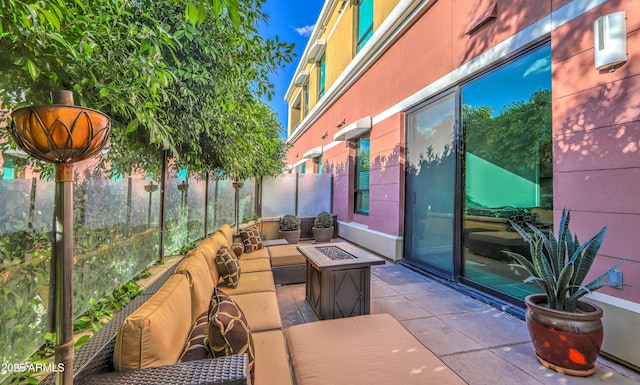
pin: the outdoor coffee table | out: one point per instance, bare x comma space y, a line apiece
338, 279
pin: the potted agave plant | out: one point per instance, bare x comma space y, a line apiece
323, 227
290, 228
566, 331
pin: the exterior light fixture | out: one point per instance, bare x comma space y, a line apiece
610, 41
61, 133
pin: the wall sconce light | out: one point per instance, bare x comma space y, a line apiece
326, 133
610, 41
61, 133
342, 122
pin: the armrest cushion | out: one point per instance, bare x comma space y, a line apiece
155, 334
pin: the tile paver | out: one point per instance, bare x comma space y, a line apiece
479, 342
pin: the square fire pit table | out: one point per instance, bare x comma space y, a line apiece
338, 281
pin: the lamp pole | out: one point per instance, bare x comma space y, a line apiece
61, 133
237, 185
150, 188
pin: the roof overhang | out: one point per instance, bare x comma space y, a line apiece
302, 78
313, 153
16, 153
298, 163
358, 128
317, 51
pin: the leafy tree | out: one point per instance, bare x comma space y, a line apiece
517, 139
191, 85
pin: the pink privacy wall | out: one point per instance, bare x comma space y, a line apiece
596, 126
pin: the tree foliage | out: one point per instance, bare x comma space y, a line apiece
183, 76
517, 139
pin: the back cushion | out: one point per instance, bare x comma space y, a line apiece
194, 266
222, 240
227, 232
209, 249
156, 332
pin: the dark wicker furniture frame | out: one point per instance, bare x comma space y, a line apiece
93, 361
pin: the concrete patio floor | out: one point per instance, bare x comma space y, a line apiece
480, 343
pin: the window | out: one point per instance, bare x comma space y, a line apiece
364, 23
8, 168
361, 180
302, 169
321, 76
319, 160
306, 99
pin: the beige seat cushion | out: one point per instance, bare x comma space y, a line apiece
261, 253
196, 269
155, 334
257, 282
370, 349
286, 255
261, 310
272, 366
253, 265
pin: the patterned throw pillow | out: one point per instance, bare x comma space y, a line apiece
228, 266
238, 247
251, 240
229, 331
196, 347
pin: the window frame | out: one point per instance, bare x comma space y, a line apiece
322, 76
357, 189
361, 40
305, 102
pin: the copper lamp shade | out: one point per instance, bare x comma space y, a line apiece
60, 133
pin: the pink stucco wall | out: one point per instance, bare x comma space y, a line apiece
596, 126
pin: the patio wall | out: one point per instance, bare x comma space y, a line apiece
116, 236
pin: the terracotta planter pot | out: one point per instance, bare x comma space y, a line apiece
568, 343
292, 236
322, 234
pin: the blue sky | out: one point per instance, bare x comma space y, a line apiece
292, 21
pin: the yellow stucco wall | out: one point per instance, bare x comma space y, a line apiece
339, 46
382, 9
340, 49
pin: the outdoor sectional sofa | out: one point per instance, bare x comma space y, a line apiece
145, 344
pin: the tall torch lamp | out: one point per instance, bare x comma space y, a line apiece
61, 133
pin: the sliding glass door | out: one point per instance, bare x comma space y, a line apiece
508, 172
430, 181
499, 168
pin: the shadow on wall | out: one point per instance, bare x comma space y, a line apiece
386, 175
509, 21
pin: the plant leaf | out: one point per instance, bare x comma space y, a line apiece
33, 69
585, 260
191, 13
